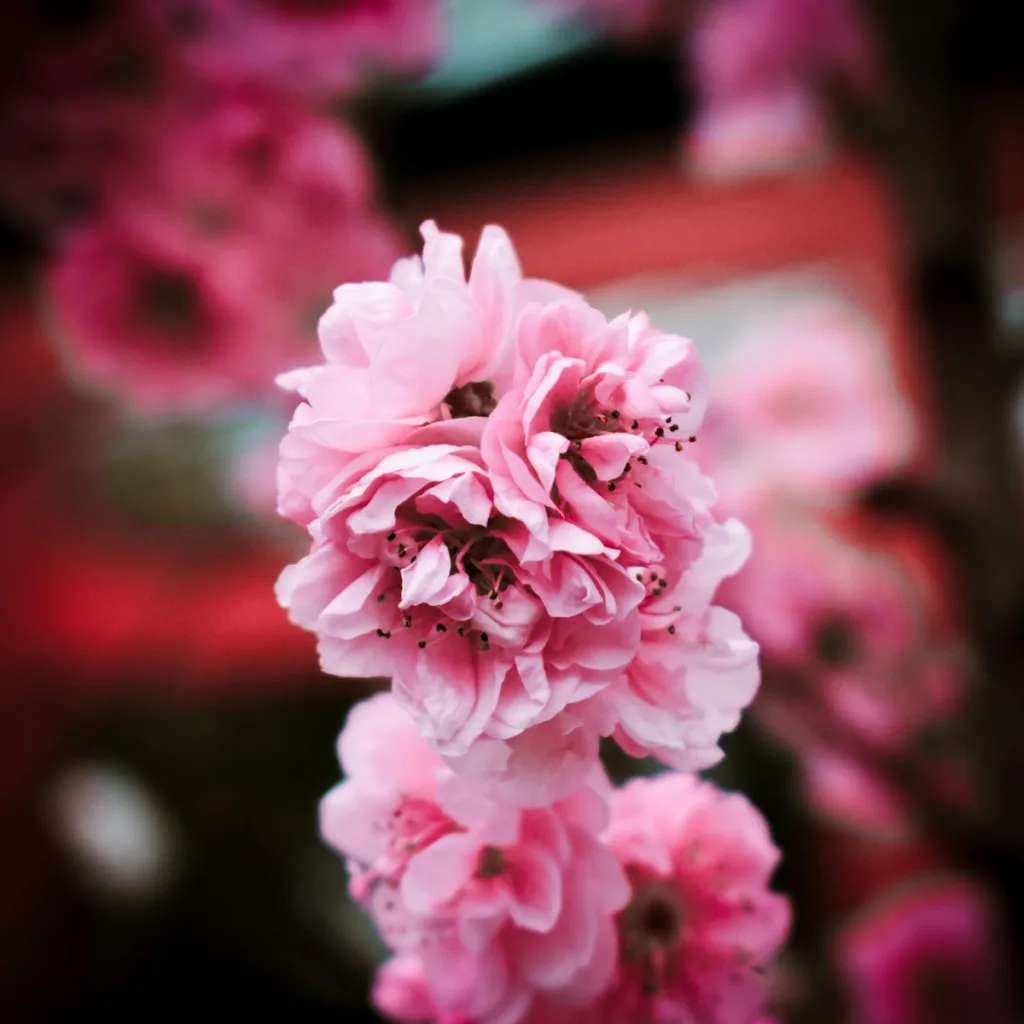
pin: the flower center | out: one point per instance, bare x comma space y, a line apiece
835, 641
169, 302
650, 928
473, 399
941, 993
492, 863
483, 559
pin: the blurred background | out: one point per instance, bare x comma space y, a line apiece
827, 195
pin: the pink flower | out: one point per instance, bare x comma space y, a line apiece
488, 472
931, 954
497, 903
428, 345
591, 431
702, 923
413, 575
854, 636
856, 622
805, 404
316, 48
200, 282
758, 65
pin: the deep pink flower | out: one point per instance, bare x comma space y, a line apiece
318, 48
426, 346
592, 430
806, 403
497, 903
702, 923
414, 575
930, 955
203, 279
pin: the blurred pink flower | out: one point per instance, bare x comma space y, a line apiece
805, 404
760, 67
317, 48
929, 954
851, 635
587, 431
766, 134
413, 575
427, 346
498, 904
702, 923
205, 275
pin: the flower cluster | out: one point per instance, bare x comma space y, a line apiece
179, 159
653, 906
203, 275
505, 520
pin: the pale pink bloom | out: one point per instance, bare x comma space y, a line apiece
426, 346
593, 429
413, 575
511, 456
499, 904
206, 275
702, 923
929, 954
317, 48
806, 404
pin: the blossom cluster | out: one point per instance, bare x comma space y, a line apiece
505, 520
178, 159
647, 903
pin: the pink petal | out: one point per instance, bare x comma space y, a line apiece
424, 579
536, 884
438, 873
